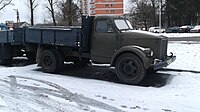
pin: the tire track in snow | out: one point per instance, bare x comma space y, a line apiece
17, 101
60, 92
80, 100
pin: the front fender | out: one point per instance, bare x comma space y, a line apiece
139, 51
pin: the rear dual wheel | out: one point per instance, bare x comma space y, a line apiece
130, 69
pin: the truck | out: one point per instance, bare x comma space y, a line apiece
3, 27
101, 39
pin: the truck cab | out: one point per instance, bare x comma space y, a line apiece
133, 53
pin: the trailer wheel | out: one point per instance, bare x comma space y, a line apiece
50, 61
130, 69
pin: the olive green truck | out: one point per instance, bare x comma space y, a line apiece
102, 40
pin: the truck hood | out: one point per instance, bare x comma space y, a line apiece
145, 39
141, 34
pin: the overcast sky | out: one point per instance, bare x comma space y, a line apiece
10, 14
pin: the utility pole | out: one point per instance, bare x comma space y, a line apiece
18, 20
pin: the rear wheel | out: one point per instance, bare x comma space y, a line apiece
51, 61
130, 69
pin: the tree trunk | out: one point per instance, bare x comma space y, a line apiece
32, 12
70, 13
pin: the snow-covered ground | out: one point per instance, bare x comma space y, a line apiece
93, 89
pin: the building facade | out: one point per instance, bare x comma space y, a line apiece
101, 7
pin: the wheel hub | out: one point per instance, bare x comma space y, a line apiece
47, 61
129, 68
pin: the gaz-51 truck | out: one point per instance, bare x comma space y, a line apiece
102, 39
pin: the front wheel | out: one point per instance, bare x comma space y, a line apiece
130, 69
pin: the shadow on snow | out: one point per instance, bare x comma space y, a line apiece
103, 73
106, 73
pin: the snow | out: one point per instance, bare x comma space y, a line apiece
26, 88
171, 35
187, 56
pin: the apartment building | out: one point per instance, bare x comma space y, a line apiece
101, 7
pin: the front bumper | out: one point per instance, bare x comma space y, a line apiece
160, 64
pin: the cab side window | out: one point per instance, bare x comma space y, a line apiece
103, 27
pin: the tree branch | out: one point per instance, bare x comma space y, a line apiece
5, 3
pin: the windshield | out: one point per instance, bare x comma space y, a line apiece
123, 24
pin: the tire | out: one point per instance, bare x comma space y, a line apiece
129, 68
50, 61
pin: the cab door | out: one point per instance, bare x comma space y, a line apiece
103, 41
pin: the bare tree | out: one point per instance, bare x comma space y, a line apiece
143, 12
32, 5
4, 3
68, 14
50, 7
146, 11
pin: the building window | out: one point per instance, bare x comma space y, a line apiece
107, 5
112, 11
107, 11
93, 12
112, 5
93, 6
